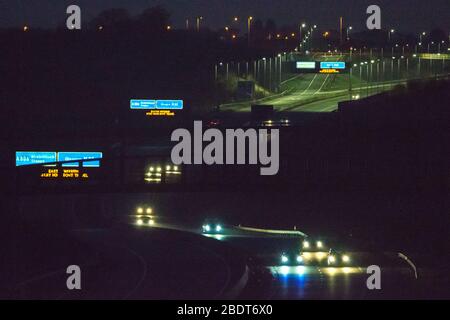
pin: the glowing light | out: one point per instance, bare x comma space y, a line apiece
159, 169
319, 244
218, 228
345, 258
307, 255
207, 228
25, 28
140, 210
175, 168
301, 270
305, 244
149, 210
284, 259
331, 259
331, 271
168, 168
284, 270
140, 222
299, 259
151, 169
320, 255
151, 222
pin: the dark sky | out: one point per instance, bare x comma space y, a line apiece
403, 15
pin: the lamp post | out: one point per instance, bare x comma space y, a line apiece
199, 19
302, 25
249, 26
350, 28
390, 34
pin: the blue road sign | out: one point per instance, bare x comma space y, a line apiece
26, 158
169, 104
143, 104
156, 104
68, 156
332, 65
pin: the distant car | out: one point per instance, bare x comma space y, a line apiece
212, 227
145, 220
309, 245
291, 259
335, 258
276, 123
144, 216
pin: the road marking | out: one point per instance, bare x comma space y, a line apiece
402, 256
323, 84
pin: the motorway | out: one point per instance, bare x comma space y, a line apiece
318, 92
166, 261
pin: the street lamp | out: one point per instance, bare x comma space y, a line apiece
198, 22
349, 29
302, 25
249, 25
422, 35
390, 33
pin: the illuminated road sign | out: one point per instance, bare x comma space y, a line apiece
306, 65
156, 104
26, 158
332, 65
69, 156
169, 104
143, 104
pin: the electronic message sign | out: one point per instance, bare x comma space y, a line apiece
69, 156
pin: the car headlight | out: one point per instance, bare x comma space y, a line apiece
284, 259
346, 258
299, 259
151, 222
305, 244
331, 259
140, 222
319, 244
206, 228
218, 228
149, 210
140, 210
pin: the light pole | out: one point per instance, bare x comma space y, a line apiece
350, 28
390, 34
421, 35
249, 26
199, 19
302, 25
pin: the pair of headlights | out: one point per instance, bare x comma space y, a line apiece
307, 245
211, 228
285, 258
331, 259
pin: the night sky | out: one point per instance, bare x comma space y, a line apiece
403, 15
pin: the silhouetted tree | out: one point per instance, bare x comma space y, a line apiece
155, 19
